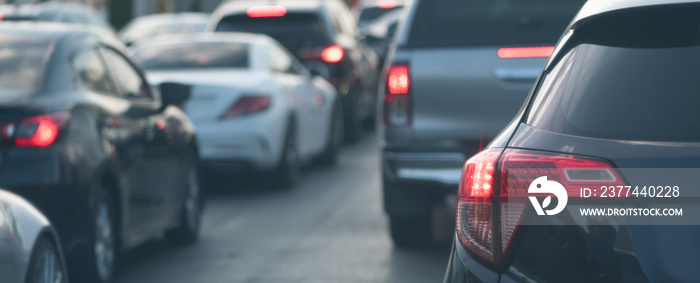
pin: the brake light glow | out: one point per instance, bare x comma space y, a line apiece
40, 131
248, 105
396, 96
266, 11
386, 4
525, 52
333, 54
493, 193
397, 80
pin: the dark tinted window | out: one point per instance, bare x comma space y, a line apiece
293, 30
126, 76
490, 22
372, 13
194, 56
632, 77
21, 67
92, 72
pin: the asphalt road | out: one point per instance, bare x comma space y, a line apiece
329, 228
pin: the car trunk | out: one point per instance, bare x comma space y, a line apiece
213, 92
472, 99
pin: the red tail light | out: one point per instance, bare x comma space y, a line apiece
386, 4
396, 97
40, 131
493, 193
266, 11
525, 52
248, 105
333, 54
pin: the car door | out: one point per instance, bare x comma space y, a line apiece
158, 175
118, 129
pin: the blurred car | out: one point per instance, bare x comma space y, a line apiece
458, 73
324, 36
54, 12
255, 106
379, 34
151, 26
369, 11
91, 144
30, 249
614, 106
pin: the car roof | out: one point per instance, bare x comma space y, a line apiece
167, 18
241, 6
233, 37
594, 7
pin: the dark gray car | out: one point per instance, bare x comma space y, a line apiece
458, 73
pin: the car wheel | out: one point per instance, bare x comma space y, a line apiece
46, 265
187, 231
288, 170
411, 231
336, 134
97, 261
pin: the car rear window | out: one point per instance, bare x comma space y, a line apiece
631, 76
21, 67
448, 23
193, 56
293, 30
373, 13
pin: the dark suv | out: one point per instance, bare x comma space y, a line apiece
615, 107
324, 36
459, 72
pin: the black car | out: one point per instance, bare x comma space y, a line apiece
89, 142
324, 36
615, 107
54, 12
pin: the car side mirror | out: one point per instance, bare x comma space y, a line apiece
174, 93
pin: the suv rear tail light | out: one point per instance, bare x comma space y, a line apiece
266, 11
333, 54
248, 105
525, 52
493, 193
396, 96
330, 54
39, 131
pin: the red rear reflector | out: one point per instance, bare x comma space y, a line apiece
248, 105
397, 80
498, 182
333, 54
39, 131
525, 52
266, 11
2, 17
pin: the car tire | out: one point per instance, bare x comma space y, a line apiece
97, 262
329, 157
370, 123
46, 263
187, 231
411, 231
288, 170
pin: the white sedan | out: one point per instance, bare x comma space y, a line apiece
255, 106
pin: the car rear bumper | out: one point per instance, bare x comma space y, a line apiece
243, 143
443, 168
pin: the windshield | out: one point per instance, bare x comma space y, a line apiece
638, 80
21, 67
209, 55
493, 22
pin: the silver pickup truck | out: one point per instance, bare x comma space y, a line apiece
458, 72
